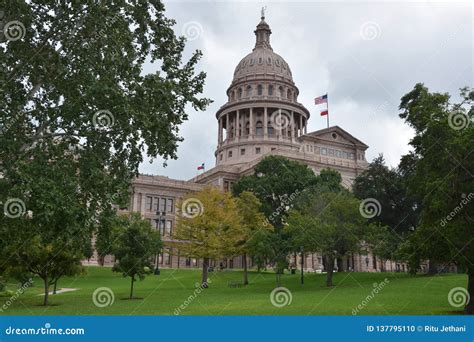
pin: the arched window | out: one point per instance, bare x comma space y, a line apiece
247, 128
232, 95
240, 93
260, 90
270, 90
270, 129
288, 94
259, 128
249, 91
280, 91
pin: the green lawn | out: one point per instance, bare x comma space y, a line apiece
161, 295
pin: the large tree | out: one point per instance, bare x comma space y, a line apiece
277, 182
329, 223
78, 113
386, 188
135, 245
252, 221
440, 170
208, 227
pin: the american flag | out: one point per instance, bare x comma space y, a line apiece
321, 99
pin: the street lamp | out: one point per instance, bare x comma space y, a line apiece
159, 220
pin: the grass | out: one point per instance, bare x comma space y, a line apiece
162, 295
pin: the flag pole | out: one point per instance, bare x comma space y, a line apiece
327, 108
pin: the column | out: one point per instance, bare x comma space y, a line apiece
237, 125
251, 133
135, 202
279, 126
143, 203
301, 126
265, 119
292, 126
219, 132
305, 126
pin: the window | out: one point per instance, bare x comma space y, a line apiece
331, 152
338, 154
317, 150
270, 130
257, 150
273, 148
344, 154
242, 151
247, 128
169, 205
288, 94
220, 156
281, 92
162, 204
155, 204
324, 151
148, 203
259, 128
351, 156
249, 91
240, 93
230, 154
160, 225
270, 90
168, 226
259, 90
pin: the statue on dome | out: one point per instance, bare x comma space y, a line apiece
262, 12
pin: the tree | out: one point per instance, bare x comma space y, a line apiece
252, 220
136, 244
396, 209
440, 172
277, 182
328, 223
208, 227
77, 114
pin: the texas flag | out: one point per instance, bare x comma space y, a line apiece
201, 167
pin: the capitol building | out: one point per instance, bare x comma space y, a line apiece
262, 117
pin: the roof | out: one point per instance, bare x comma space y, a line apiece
320, 134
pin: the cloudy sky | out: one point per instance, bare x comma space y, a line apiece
366, 55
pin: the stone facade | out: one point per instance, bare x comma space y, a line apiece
261, 117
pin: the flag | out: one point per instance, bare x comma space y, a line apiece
321, 99
201, 167
324, 112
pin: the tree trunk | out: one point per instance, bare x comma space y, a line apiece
131, 287
329, 270
432, 267
244, 262
205, 265
46, 290
340, 265
55, 286
469, 308
325, 263
100, 260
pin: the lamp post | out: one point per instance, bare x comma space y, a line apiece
159, 220
302, 264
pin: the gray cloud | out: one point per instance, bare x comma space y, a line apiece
328, 50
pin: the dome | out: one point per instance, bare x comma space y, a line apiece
262, 60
